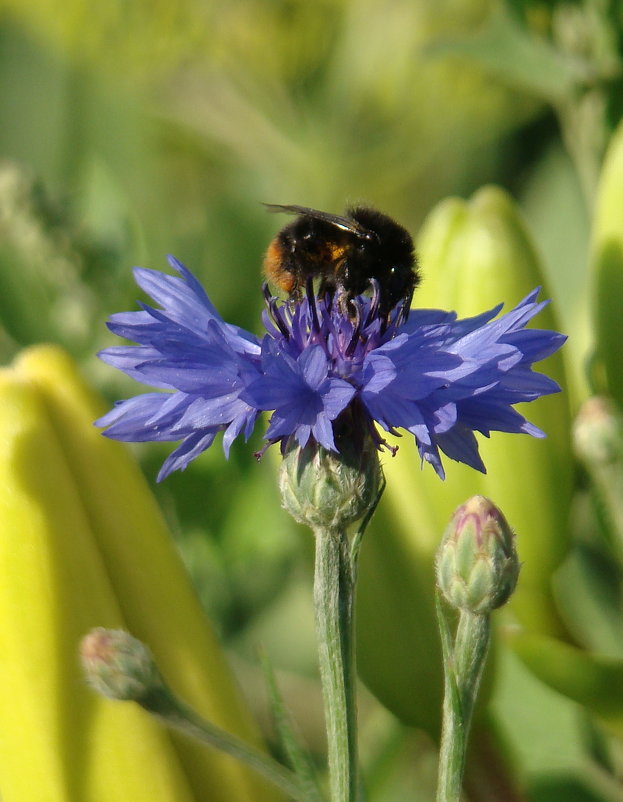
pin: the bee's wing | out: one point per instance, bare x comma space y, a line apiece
345, 223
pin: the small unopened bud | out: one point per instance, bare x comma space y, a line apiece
477, 565
598, 432
118, 665
328, 490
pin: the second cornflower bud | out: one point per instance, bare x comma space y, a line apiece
477, 564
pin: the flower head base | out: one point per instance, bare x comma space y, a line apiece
328, 490
435, 376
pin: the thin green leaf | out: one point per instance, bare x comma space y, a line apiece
297, 755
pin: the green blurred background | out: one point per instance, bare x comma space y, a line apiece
136, 128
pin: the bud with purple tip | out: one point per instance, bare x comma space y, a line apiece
118, 666
477, 565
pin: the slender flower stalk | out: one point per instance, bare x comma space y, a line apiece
477, 570
121, 667
328, 492
464, 661
334, 597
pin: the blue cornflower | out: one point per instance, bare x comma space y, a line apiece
322, 361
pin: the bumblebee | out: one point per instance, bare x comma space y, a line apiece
346, 253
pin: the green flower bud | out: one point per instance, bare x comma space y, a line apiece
598, 432
477, 565
328, 490
117, 665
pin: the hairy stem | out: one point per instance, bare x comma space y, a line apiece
334, 592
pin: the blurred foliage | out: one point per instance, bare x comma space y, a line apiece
133, 129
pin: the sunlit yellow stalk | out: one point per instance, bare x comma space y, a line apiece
607, 262
83, 544
57, 741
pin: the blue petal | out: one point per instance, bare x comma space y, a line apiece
129, 358
460, 445
314, 366
182, 302
189, 376
129, 420
336, 395
323, 432
535, 344
192, 446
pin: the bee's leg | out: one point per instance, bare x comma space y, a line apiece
405, 307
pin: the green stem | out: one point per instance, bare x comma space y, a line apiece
334, 591
162, 703
464, 661
470, 647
